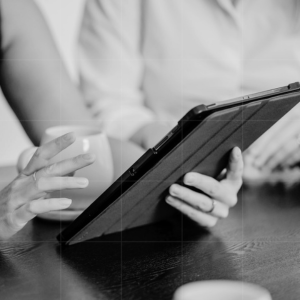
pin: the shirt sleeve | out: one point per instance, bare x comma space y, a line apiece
111, 66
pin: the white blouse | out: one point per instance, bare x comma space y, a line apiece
146, 60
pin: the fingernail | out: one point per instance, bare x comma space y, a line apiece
188, 179
170, 200
237, 152
83, 182
69, 136
89, 157
174, 190
65, 202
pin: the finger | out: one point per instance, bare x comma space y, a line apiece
47, 151
199, 217
258, 147
211, 187
224, 191
280, 139
248, 158
282, 154
235, 167
50, 184
255, 149
292, 159
222, 175
28, 211
199, 201
67, 166
15, 221
24, 158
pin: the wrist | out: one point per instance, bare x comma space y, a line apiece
150, 134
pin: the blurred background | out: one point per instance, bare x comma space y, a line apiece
64, 24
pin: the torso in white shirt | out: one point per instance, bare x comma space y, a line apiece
194, 57
189, 52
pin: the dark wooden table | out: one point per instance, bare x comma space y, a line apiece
258, 243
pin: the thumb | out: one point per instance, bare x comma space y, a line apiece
24, 158
235, 166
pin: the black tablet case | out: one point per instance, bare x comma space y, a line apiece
205, 150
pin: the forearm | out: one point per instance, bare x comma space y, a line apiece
38, 101
32, 75
149, 135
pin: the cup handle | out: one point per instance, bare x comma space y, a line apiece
24, 158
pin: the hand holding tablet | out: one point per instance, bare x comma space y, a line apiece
218, 197
200, 143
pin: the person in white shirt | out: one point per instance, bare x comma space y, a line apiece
145, 63
37, 87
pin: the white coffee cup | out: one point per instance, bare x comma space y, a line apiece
221, 290
99, 174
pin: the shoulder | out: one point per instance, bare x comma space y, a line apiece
18, 7
22, 27
19, 19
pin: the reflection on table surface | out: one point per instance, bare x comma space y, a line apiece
258, 243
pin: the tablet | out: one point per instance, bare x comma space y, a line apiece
200, 142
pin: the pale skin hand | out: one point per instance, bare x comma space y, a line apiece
189, 202
277, 148
224, 192
26, 197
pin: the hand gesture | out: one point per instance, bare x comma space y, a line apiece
28, 195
